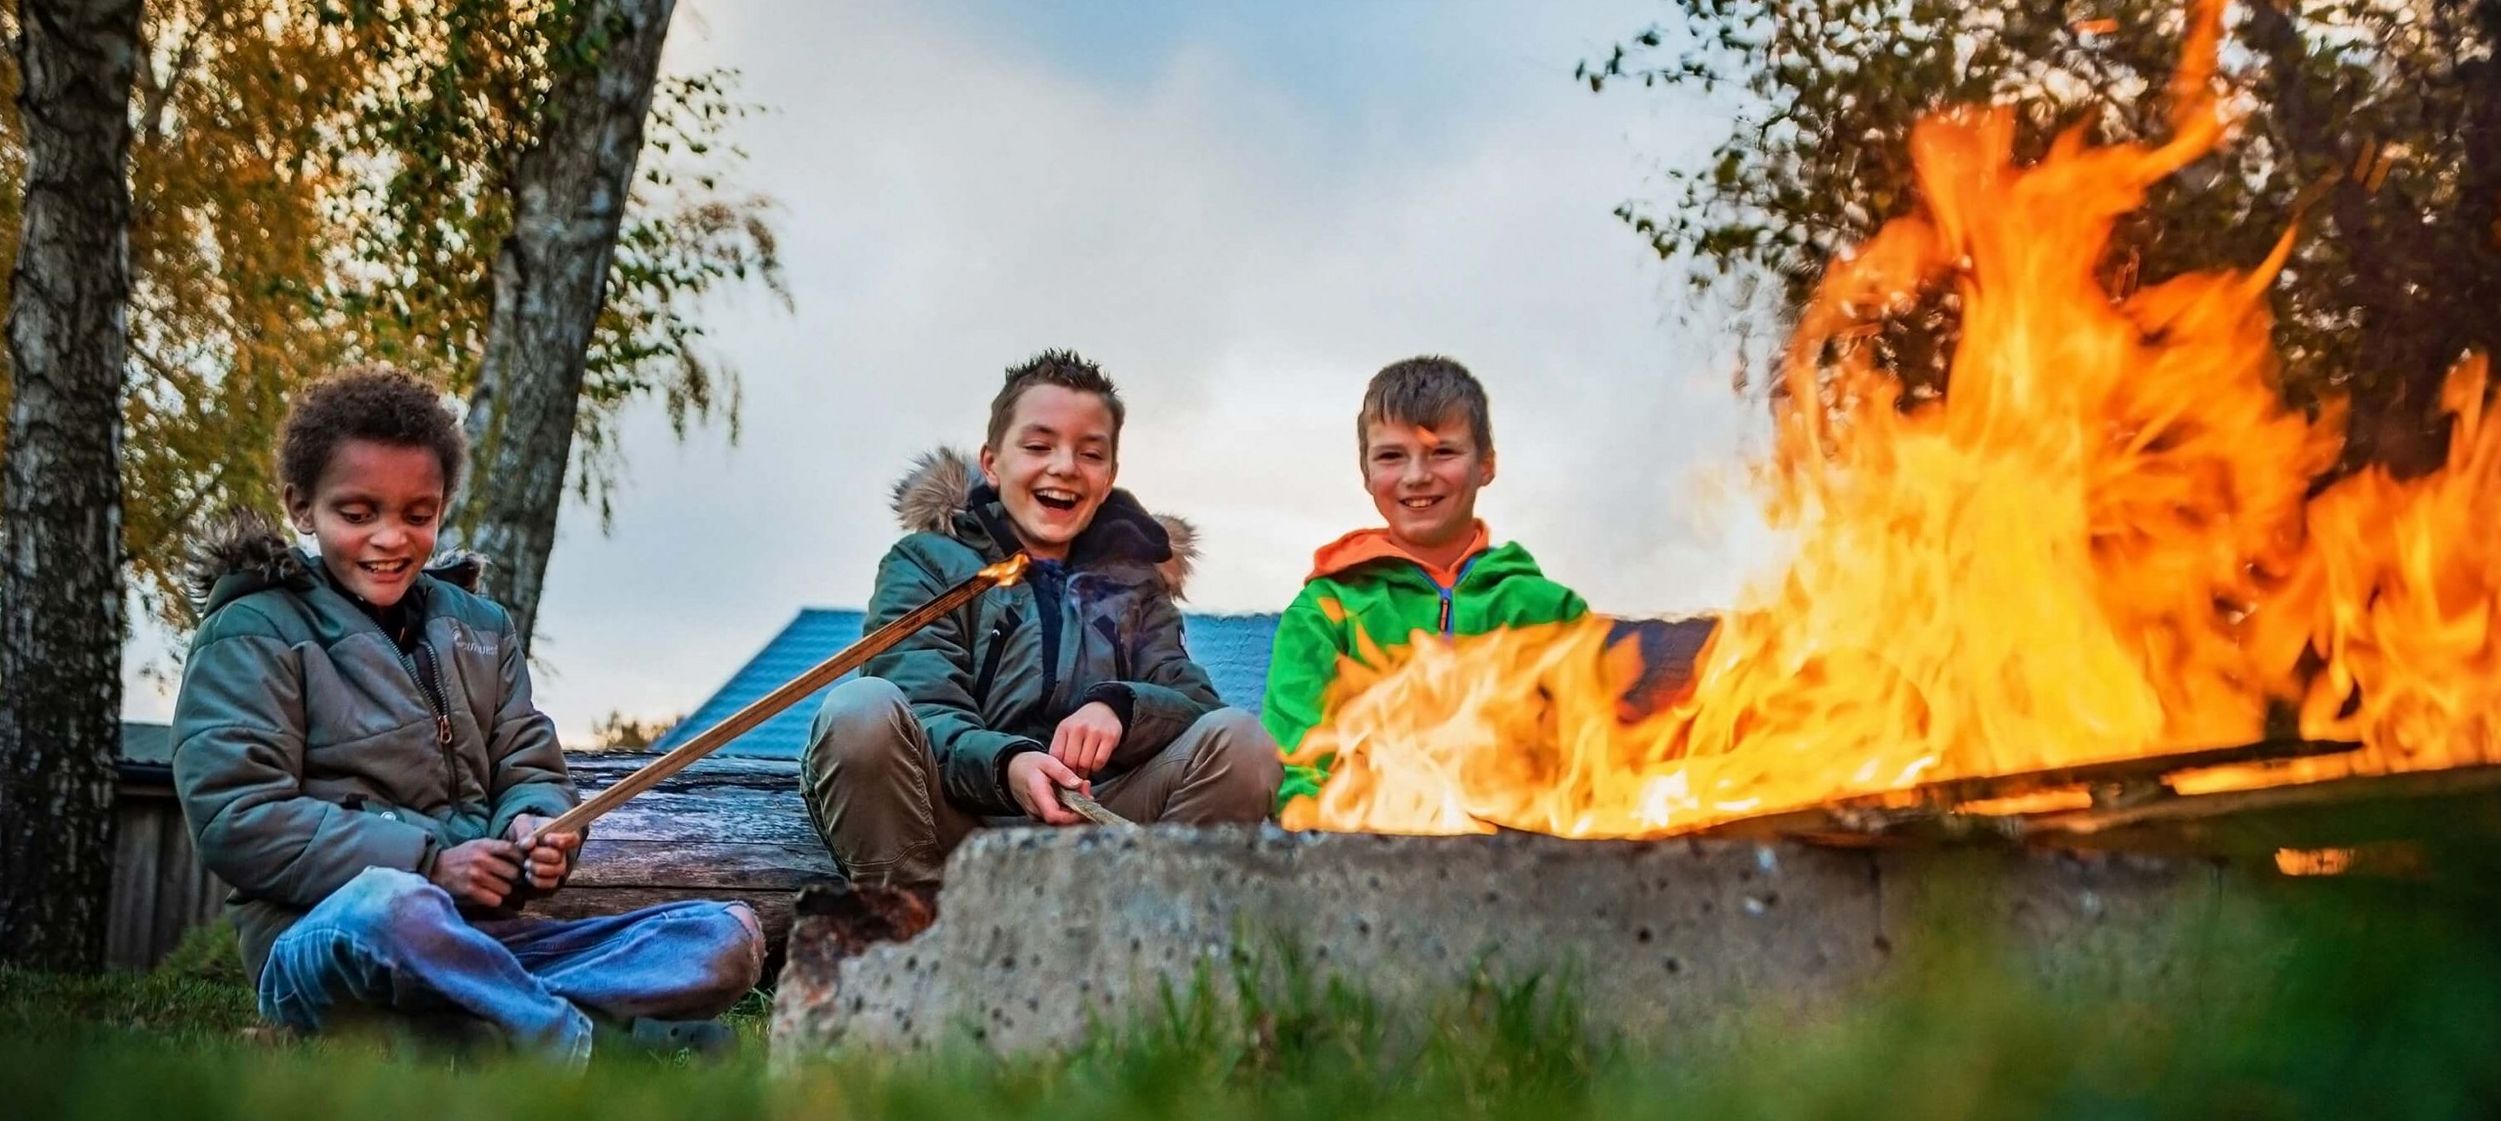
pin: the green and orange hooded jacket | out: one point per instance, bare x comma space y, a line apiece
1363, 583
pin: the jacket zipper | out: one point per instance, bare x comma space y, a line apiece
421, 662
1464, 566
1055, 633
1104, 626
990, 658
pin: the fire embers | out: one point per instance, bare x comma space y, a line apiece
2099, 542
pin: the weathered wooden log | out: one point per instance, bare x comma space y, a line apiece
1955, 809
724, 828
2454, 813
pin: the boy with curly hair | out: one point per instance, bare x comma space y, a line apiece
357, 755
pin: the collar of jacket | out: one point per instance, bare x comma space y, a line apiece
944, 493
1364, 546
242, 552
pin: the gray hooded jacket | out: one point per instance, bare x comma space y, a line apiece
308, 747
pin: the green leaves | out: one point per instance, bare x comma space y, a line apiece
2397, 275
321, 182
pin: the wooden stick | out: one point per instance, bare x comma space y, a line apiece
765, 708
1092, 810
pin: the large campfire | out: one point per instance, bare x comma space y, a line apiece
2107, 555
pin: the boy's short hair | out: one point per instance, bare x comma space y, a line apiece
1424, 390
1063, 368
377, 403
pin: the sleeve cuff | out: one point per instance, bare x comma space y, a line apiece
1007, 754
1117, 694
542, 799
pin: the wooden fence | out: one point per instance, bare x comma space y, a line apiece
160, 889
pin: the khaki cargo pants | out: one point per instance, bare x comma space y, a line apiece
871, 784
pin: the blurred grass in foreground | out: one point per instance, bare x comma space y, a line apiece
2342, 999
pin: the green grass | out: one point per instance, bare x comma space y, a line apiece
2361, 1000
196, 997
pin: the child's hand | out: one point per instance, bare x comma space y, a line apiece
1085, 740
551, 858
479, 872
1034, 777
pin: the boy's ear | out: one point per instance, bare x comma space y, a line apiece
1485, 470
299, 507
989, 466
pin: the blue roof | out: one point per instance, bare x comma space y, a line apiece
1232, 648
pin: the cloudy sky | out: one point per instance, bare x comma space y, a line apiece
1240, 211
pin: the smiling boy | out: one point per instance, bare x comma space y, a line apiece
1425, 443
357, 755
1074, 678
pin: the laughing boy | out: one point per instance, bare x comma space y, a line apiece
1075, 678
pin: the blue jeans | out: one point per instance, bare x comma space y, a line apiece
391, 941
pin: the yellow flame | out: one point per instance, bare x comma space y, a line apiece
2313, 862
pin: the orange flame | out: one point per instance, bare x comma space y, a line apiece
2098, 543
1006, 573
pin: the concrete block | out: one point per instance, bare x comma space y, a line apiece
1041, 932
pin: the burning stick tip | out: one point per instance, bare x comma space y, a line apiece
1007, 572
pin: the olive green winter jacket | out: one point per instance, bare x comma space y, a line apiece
307, 747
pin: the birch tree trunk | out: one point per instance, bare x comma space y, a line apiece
550, 280
60, 565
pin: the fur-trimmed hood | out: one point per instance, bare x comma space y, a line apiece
944, 493
241, 552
